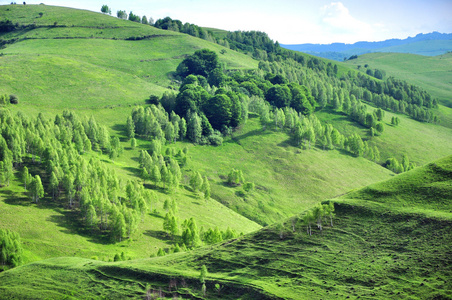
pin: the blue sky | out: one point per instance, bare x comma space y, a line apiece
294, 21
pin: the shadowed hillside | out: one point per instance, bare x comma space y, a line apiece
379, 248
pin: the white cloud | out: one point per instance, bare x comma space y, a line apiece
337, 21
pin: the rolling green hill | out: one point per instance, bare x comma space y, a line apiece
431, 73
93, 59
100, 66
389, 240
105, 77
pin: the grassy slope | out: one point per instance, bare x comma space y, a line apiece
431, 73
89, 58
288, 179
50, 230
422, 142
90, 75
252, 151
385, 243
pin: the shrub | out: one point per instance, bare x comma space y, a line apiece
13, 99
215, 138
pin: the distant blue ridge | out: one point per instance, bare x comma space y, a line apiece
340, 50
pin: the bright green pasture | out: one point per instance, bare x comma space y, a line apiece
432, 73
422, 142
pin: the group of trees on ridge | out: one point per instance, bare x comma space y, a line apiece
217, 106
212, 102
319, 215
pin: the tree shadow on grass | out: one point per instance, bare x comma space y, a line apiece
13, 198
69, 223
287, 143
156, 215
122, 130
159, 234
133, 171
237, 139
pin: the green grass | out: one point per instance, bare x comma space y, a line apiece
422, 142
70, 17
85, 62
288, 179
379, 248
430, 73
49, 229
48, 73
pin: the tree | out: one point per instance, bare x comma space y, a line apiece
119, 227
54, 183
380, 114
182, 128
134, 18
194, 128
298, 134
6, 169
196, 181
26, 177
105, 9
155, 175
130, 127
279, 96
121, 14
203, 274
202, 62
218, 111
133, 143
235, 177
329, 211
169, 133
170, 224
91, 216
205, 188
13, 99
310, 136
308, 219
380, 127
406, 163
144, 174
318, 214
36, 189
10, 248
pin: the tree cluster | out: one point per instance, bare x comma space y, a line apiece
187, 28
11, 99
191, 236
159, 169
54, 150
10, 249
399, 167
105, 9
319, 215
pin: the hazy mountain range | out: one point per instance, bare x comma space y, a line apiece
429, 44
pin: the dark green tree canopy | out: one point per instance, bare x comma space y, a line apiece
218, 110
105, 9
202, 62
279, 96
